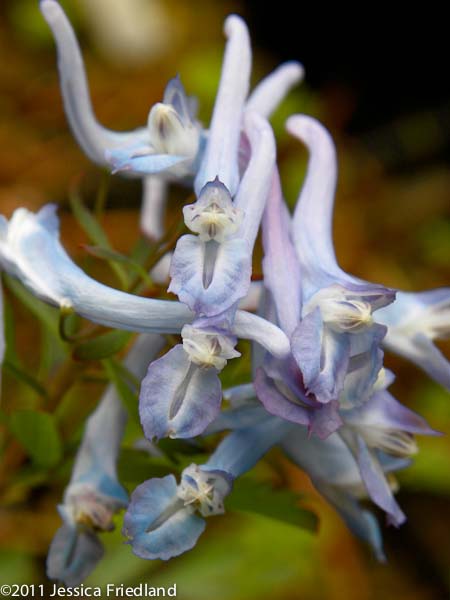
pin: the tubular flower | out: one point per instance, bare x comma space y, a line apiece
94, 494
414, 322
165, 519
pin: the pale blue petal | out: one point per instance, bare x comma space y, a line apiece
157, 523
73, 555
420, 350
240, 450
376, 483
221, 154
177, 398
361, 522
130, 161
252, 327
384, 411
175, 95
328, 460
210, 289
271, 91
92, 137
153, 210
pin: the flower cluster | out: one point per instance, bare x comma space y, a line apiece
319, 390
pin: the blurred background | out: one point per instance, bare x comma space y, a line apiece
383, 92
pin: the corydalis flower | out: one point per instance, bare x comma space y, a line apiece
30, 250
336, 322
181, 393
414, 322
172, 136
165, 519
94, 494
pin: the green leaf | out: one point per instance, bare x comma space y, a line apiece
136, 466
96, 234
38, 434
282, 505
48, 316
123, 387
103, 346
25, 378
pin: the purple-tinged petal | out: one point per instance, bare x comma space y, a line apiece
276, 401
221, 154
253, 189
375, 481
335, 474
157, 523
92, 137
73, 555
322, 356
306, 345
312, 220
361, 522
271, 91
210, 277
177, 398
325, 420
280, 263
384, 411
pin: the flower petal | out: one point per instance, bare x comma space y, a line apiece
92, 137
276, 403
312, 220
225, 268
271, 91
240, 450
221, 154
177, 398
31, 251
157, 523
376, 483
153, 207
128, 160
384, 411
280, 263
253, 189
322, 356
73, 555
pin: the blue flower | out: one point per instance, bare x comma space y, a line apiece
164, 519
414, 322
94, 493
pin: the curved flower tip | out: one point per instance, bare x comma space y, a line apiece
73, 554
178, 398
220, 158
161, 522
270, 92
